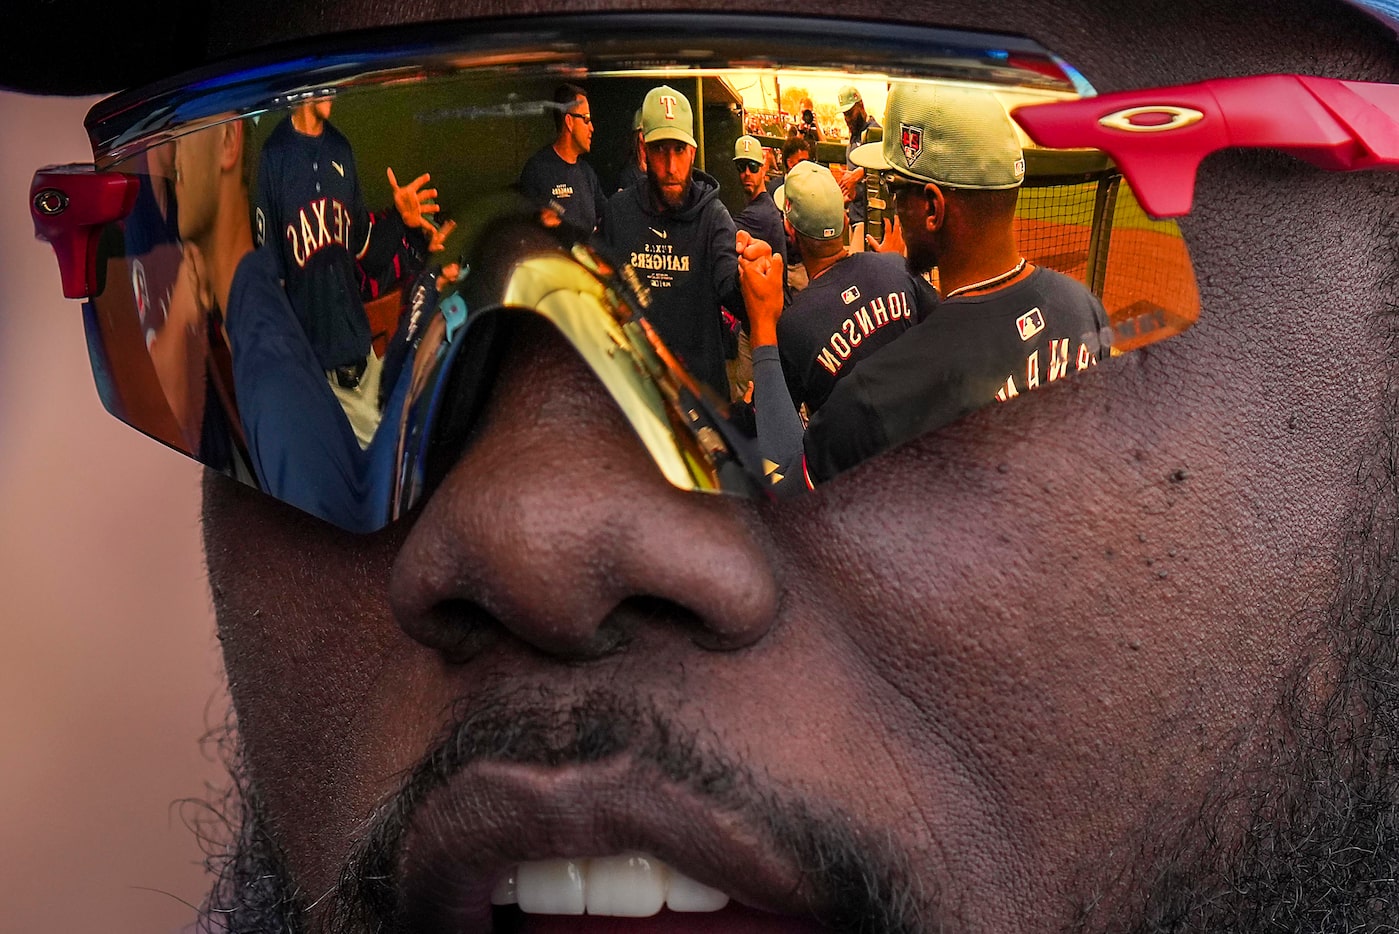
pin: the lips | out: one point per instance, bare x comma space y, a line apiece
471, 833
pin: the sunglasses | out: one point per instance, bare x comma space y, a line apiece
586, 118
347, 365
748, 167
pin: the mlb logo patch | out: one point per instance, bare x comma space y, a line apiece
1029, 324
911, 138
850, 296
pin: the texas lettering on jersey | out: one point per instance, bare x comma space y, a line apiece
863, 322
328, 224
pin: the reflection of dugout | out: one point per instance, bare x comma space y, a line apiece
1077, 216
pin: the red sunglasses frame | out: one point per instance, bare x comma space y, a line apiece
1159, 136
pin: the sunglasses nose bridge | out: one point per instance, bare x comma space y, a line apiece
521, 537
70, 205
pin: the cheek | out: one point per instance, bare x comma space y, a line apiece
1050, 611
304, 627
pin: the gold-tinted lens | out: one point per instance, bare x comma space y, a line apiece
310, 296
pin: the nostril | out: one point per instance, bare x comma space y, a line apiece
458, 629
461, 629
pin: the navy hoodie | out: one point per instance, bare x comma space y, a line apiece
688, 260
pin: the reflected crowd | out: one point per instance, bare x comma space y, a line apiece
795, 310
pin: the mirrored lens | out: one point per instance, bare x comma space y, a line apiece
313, 294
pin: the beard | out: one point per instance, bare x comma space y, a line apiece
873, 889
667, 200
1320, 840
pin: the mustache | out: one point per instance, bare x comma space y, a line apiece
870, 887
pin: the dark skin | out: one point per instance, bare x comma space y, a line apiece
1047, 654
967, 235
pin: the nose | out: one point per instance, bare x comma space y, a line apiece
556, 527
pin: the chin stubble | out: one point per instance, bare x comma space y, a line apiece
872, 887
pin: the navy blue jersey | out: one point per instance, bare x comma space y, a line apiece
311, 211
689, 262
301, 445
968, 352
848, 312
763, 220
547, 179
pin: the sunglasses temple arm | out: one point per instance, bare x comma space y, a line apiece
70, 205
1159, 136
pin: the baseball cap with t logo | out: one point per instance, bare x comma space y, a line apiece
666, 114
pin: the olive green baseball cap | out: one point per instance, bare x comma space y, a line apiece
848, 97
666, 114
954, 136
748, 147
812, 201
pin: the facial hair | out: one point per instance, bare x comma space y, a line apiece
872, 887
662, 199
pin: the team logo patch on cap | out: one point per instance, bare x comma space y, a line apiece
911, 138
850, 296
1029, 324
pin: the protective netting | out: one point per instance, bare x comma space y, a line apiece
1096, 232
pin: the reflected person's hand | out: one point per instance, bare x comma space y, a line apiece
850, 183
437, 236
413, 201
893, 241
760, 279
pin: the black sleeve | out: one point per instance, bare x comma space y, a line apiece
779, 426
790, 353
723, 253
268, 208
532, 184
846, 431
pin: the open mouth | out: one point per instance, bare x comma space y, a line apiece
486, 852
631, 893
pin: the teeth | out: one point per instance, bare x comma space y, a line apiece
629, 886
688, 895
550, 887
626, 886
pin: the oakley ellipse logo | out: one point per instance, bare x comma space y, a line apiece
50, 201
1153, 119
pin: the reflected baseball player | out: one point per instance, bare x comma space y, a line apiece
556, 176
1004, 326
330, 248
855, 303
679, 237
